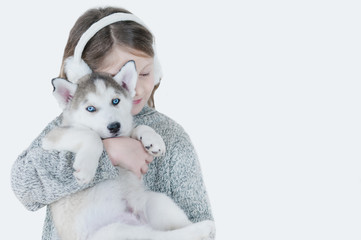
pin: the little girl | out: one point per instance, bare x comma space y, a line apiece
41, 177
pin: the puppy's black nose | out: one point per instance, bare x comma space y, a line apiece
114, 127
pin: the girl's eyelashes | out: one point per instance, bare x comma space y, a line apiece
144, 74
140, 74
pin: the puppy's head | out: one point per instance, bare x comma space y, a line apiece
99, 102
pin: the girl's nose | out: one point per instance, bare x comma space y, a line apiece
138, 90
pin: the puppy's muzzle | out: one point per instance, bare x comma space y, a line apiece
114, 127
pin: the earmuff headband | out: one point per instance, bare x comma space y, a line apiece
75, 67
93, 29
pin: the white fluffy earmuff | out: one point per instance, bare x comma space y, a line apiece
75, 67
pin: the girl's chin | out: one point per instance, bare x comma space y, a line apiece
137, 108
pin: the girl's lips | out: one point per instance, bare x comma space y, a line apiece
137, 101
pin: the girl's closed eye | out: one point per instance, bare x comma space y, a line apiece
144, 74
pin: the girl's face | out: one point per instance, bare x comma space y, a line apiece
116, 59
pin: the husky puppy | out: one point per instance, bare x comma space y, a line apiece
97, 107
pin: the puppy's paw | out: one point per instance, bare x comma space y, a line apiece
84, 170
202, 230
153, 143
47, 144
82, 177
209, 229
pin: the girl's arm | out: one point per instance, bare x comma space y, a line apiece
187, 184
40, 177
128, 153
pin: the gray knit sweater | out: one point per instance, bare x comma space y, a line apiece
40, 177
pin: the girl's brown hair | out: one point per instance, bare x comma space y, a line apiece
126, 33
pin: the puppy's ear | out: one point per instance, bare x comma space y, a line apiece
63, 91
127, 77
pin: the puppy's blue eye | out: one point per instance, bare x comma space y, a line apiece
91, 109
115, 101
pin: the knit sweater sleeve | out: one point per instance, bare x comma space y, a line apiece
187, 185
40, 177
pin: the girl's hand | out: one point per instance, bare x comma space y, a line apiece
128, 153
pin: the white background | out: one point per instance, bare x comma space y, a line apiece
269, 92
